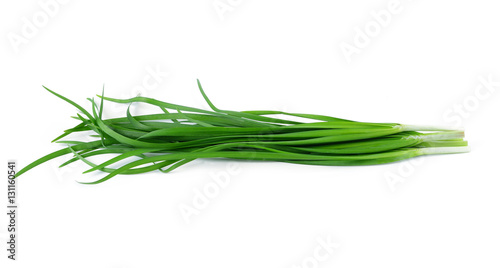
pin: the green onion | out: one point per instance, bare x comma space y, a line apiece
167, 140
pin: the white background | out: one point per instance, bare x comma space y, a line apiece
420, 68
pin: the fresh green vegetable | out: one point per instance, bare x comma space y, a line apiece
170, 139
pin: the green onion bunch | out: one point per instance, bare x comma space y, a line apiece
180, 134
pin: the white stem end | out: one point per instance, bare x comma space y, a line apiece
429, 128
445, 150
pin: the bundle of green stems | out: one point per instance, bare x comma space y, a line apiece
180, 134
